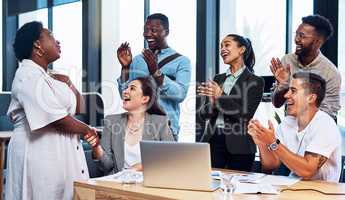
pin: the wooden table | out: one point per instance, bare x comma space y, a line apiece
91, 190
4, 137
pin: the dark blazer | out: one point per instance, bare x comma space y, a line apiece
113, 138
238, 108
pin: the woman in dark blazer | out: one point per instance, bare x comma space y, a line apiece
119, 147
233, 98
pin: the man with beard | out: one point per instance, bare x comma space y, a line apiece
314, 31
170, 70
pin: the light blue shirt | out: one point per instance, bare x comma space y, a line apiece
171, 92
228, 84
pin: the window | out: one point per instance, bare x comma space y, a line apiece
70, 37
122, 21
299, 9
341, 62
40, 15
263, 22
182, 38
69, 34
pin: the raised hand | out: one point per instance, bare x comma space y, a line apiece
124, 55
280, 72
151, 60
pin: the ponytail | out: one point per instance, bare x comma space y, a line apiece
248, 56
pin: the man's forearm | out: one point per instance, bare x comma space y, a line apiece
269, 161
297, 164
278, 96
124, 74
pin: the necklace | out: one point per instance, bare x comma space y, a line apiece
134, 128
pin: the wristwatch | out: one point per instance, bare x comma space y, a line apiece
157, 73
274, 145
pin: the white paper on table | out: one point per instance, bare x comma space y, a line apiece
249, 188
279, 180
249, 178
125, 176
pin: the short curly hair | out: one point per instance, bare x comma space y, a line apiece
321, 24
163, 18
25, 38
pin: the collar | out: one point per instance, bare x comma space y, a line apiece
316, 61
32, 64
236, 74
166, 50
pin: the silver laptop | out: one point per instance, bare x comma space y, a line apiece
177, 165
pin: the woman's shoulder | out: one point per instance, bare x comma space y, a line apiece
115, 117
256, 77
158, 118
219, 77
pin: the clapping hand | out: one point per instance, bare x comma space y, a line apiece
124, 55
151, 60
210, 89
260, 134
280, 72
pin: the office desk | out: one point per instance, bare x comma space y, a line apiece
4, 137
92, 190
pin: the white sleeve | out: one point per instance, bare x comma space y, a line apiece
279, 134
40, 103
326, 139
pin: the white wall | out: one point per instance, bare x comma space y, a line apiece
121, 21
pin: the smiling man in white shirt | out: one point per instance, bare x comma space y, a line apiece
307, 141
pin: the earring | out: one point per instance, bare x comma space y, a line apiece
40, 52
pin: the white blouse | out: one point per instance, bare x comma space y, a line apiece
132, 155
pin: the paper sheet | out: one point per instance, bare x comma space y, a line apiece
279, 180
249, 188
125, 176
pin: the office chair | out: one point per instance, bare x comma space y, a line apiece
342, 173
5, 122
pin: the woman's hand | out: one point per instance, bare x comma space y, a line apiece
124, 55
62, 78
92, 138
210, 89
137, 167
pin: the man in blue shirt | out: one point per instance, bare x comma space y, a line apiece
172, 78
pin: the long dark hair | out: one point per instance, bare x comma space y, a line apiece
248, 56
149, 88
